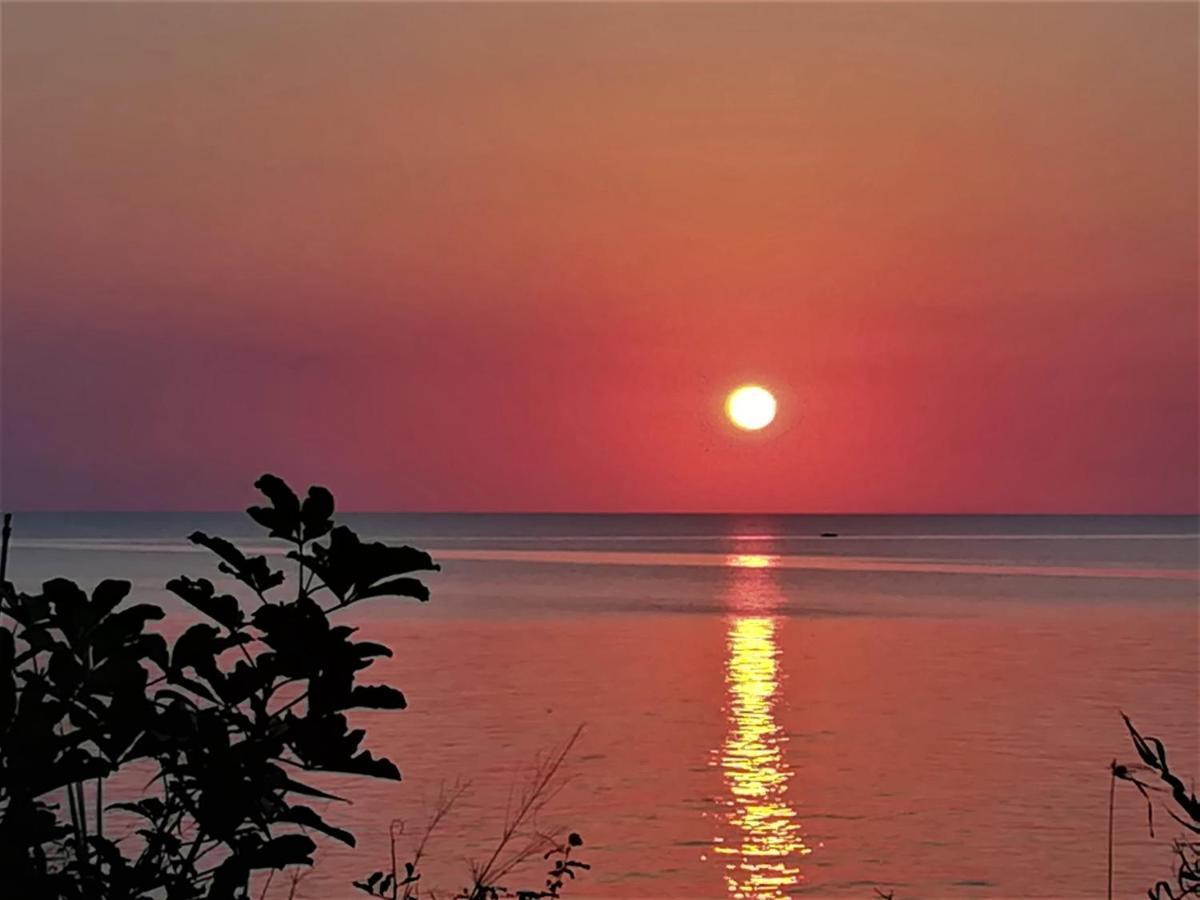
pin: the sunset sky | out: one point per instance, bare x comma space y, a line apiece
513, 257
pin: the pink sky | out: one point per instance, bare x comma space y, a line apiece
444, 257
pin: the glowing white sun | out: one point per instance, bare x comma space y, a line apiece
750, 407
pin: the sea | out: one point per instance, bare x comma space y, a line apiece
771, 706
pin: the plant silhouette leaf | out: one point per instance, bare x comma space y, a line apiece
316, 514
280, 852
221, 608
252, 571
397, 587
303, 815
377, 696
282, 517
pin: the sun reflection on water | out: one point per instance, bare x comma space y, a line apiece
750, 561
762, 853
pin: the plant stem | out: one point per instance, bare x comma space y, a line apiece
392, 841
195, 850
74, 808
288, 705
1112, 793
78, 786
5, 534
300, 573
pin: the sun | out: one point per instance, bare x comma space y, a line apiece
750, 407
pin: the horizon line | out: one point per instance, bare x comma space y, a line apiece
648, 513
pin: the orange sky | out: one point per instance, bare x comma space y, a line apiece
511, 257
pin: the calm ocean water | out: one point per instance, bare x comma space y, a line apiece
922, 703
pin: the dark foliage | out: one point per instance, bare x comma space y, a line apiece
226, 719
400, 885
520, 841
1183, 807
562, 867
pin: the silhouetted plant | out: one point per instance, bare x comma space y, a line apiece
520, 841
224, 718
389, 884
1153, 757
562, 867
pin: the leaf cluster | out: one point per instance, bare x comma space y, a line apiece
228, 717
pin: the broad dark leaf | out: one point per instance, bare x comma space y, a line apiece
221, 547
365, 650
377, 696
327, 742
282, 518
303, 815
397, 587
65, 672
221, 608
107, 595
318, 739
152, 647
298, 632
226, 800
316, 515
252, 571
122, 631
118, 675
40, 639
237, 685
197, 647
69, 608
30, 610
229, 879
282, 851
309, 791
366, 764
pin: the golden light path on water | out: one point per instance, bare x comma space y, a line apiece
765, 843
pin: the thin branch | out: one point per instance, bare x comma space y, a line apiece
540, 791
445, 803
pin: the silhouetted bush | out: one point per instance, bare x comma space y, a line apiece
225, 720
